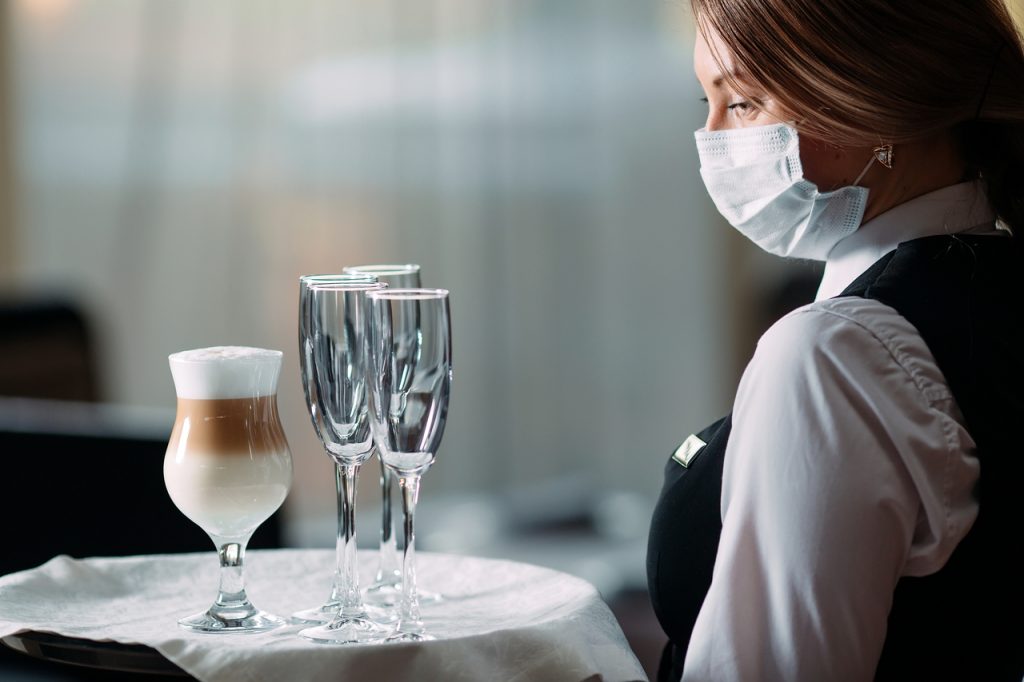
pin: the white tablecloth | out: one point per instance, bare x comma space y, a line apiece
499, 620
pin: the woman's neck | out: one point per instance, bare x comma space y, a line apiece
919, 167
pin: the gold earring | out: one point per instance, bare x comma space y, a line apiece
884, 155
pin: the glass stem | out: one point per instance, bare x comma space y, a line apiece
339, 542
232, 602
351, 605
388, 566
232, 578
409, 610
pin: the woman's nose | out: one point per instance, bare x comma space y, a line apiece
715, 121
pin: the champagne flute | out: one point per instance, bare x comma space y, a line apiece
228, 466
326, 611
409, 408
388, 582
333, 332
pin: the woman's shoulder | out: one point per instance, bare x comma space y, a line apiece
859, 339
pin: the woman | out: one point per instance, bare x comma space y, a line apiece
856, 516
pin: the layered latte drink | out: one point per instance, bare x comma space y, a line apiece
227, 467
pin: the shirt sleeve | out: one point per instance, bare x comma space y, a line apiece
847, 467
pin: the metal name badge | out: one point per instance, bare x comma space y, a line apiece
688, 451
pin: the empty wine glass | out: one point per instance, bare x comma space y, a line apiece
409, 408
326, 611
387, 584
334, 349
228, 466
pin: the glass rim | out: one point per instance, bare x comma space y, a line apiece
383, 269
408, 294
347, 286
339, 277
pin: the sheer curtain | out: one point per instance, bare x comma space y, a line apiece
181, 163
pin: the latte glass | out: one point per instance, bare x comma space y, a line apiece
228, 466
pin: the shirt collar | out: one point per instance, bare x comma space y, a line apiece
957, 208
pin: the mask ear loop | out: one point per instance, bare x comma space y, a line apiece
882, 155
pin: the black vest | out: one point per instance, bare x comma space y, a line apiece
965, 296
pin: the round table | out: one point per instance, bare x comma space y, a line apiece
496, 620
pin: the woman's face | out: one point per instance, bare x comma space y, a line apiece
827, 166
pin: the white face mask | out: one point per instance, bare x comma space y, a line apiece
755, 178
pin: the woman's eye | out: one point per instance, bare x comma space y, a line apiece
748, 108
745, 108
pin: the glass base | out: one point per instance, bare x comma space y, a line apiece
316, 616
390, 594
347, 631
428, 597
329, 611
227, 622
411, 636
384, 593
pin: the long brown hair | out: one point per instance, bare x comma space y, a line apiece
864, 72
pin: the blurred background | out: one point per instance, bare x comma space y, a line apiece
169, 168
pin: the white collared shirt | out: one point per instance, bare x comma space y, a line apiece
848, 467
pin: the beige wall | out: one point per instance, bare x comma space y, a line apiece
540, 166
7, 242
1017, 9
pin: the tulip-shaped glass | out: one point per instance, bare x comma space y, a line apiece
334, 352
228, 467
326, 611
409, 408
387, 585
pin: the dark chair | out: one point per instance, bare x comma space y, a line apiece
46, 351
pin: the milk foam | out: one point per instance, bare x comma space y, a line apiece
224, 372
